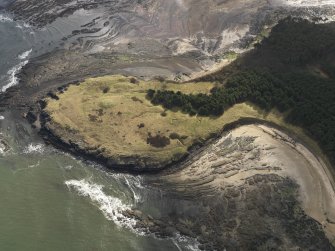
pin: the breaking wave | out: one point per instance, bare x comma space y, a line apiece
25, 54
306, 3
191, 243
134, 184
110, 206
34, 148
4, 18
13, 79
2, 148
113, 207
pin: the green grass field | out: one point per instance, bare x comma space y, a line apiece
112, 114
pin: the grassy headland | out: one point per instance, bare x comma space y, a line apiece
112, 117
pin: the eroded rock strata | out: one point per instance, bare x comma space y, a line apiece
254, 188
260, 214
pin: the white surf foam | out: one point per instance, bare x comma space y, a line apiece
13, 79
110, 206
25, 54
34, 148
69, 167
2, 148
23, 26
34, 165
4, 18
303, 3
134, 184
113, 207
191, 243
2, 117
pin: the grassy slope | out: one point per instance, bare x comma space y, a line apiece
119, 112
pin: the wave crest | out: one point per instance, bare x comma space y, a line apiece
25, 54
110, 206
31, 148
4, 18
13, 79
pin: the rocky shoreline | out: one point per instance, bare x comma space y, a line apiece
132, 164
229, 223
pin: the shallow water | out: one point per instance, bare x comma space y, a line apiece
49, 200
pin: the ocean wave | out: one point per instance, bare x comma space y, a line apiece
34, 148
4, 18
4, 145
2, 148
113, 209
191, 243
24, 26
307, 3
68, 167
110, 206
134, 184
25, 54
34, 165
13, 79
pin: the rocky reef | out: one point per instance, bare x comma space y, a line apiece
261, 214
249, 191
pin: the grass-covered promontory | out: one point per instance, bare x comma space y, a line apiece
112, 118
